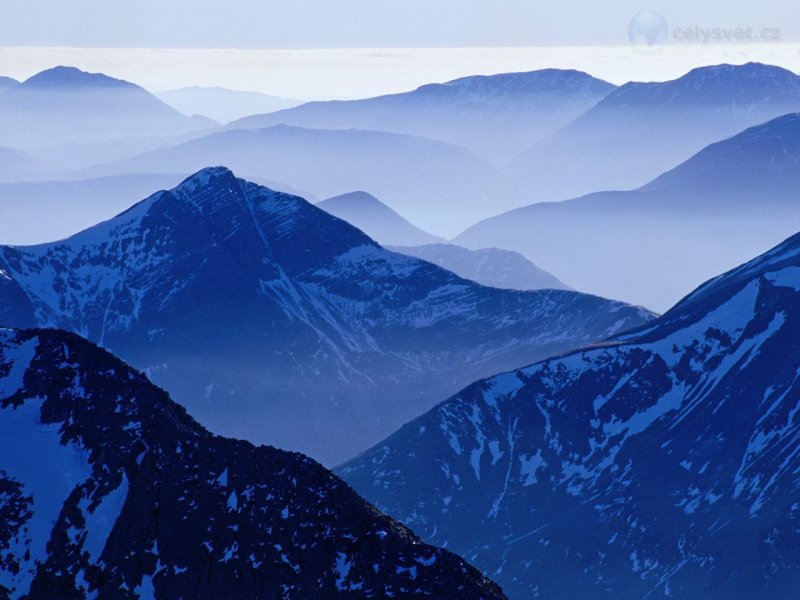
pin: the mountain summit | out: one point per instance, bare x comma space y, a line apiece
274, 321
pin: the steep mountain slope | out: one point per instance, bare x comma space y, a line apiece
643, 129
733, 200
377, 220
108, 489
488, 266
663, 463
66, 105
222, 104
274, 321
440, 187
495, 116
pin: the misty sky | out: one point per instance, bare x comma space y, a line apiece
364, 23
349, 48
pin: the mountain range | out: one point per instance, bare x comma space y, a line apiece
494, 116
222, 104
641, 130
66, 105
409, 174
276, 322
108, 489
662, 462
732, 200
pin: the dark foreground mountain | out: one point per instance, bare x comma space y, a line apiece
488, 266
377, 220
733, 200
663, 463
643, 129
108, 489
274, 321
495, 116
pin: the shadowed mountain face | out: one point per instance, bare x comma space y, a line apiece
494, 116
274, 321
643, 129
65, 105
377, 220
222, 104
110, 490
440, 187
489, 266
731, 201
663, 463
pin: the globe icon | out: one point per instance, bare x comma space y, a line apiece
647, 29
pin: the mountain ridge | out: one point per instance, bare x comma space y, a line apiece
506, 112
66, 105
274, 281
732, 200
112, 490
377, 220
657, 463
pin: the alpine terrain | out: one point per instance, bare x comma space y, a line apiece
273, 321
661, 463
108, 489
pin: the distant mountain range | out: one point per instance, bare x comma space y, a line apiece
495, 116
274, 321
377, 220
502, 269
643, 129
66, 105
660, 463
108, 489
440, 187
732, 200
221, 104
